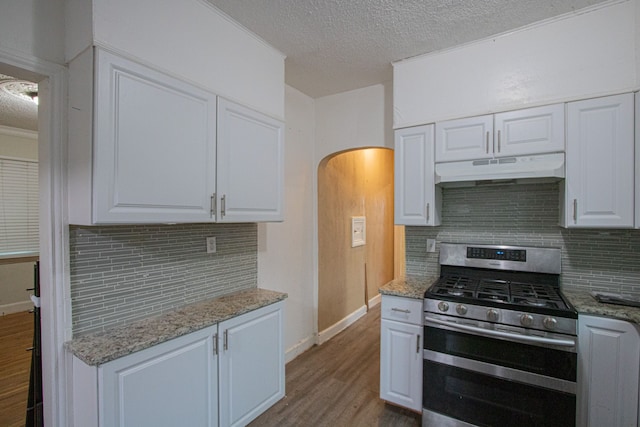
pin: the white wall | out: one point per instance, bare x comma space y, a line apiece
18, 143
189, 39
584, 54
354, 119
33, 28
285, 250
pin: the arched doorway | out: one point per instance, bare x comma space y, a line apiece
356, 183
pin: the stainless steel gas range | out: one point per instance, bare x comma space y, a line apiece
499, 339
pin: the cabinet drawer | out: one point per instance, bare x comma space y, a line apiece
402, 309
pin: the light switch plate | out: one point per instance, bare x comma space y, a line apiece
431, 245
211, 245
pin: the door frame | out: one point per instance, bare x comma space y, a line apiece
54, 231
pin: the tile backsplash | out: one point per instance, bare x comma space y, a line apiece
120, 274
592, 259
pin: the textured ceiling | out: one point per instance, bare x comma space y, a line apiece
16, 112
338, 45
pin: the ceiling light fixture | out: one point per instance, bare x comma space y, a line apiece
25, 90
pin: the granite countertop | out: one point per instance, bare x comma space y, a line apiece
586, 304
410, 287
102, 347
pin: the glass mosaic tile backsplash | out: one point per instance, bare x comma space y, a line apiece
592, 259
120, 274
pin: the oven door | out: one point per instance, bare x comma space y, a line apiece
472, 379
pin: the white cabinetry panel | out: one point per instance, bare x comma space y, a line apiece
531, 131
637, 151
515, 133
174, 383
600, 163
417, 199
225, 375
251, 365
146, 144
401, 354
464, 139
250, 165
608, 372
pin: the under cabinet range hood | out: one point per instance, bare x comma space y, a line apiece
505, 170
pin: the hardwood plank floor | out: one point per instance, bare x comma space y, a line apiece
338, 384
16, 335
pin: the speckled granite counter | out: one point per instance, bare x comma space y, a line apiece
410, 287
96, 349
585, 303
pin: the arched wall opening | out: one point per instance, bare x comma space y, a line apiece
355, 183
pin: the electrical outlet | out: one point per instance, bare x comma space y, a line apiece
211, 245
431, 245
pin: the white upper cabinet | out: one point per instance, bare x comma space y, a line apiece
417, 199
599, 190
142, 145
250, 165
464, 139
531, 131
637, 151
145, 147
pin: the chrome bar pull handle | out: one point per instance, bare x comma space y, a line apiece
400, 310
428, 212
223, 206
498, 141
487, 145
214, 206
575, 211
215, 344
418, 344
225, 340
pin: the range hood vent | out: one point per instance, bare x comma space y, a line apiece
506, 170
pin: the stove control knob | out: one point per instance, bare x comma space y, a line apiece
443, 306
461, 309
549, 322
492, 315
526, 320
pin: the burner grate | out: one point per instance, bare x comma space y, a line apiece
500, 291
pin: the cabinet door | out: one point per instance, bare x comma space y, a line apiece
637, 168
401, 364
531, 131
464, 139
171, 384
250, 165
251, 364
609, 359
600, 163
154, 146
417, 199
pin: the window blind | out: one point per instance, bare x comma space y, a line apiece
18, 208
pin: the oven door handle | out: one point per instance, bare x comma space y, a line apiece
492, 333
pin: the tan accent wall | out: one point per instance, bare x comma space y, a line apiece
353, 183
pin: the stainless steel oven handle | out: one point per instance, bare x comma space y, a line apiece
492, 333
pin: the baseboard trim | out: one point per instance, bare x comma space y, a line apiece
15, 307
375, 300
298, 348
340, 326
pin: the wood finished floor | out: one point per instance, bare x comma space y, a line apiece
338, 384
16, 335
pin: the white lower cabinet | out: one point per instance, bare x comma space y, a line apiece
401, 352
223, 375
608, 372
